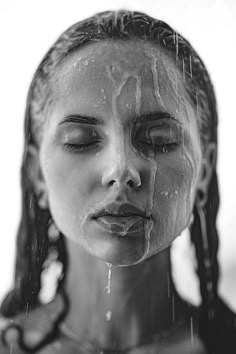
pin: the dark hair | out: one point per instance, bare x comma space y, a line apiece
33, 243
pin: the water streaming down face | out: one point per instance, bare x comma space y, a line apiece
108, 290
108, 286
121, 153
120, 77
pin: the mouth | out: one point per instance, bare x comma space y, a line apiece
121, 218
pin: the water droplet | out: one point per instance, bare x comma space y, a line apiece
168, 284
108, 315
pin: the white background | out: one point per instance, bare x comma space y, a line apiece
29, 27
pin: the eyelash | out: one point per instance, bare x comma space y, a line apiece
80, 147
162, 148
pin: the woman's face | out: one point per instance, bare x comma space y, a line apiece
121, 152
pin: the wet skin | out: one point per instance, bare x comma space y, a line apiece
120, 129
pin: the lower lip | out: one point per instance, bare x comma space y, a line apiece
122, 224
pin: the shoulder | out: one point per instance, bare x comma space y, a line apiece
31, 329
13, 348
57, 346
4, 348
34, 338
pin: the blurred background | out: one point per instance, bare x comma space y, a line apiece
27, 30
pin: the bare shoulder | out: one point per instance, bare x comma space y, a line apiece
33, 328
57, 346
60, 345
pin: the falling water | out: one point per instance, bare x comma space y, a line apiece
108, 286
168, 284
190, 66
183, 70
177, 45
173, 308
191, 329
108, 289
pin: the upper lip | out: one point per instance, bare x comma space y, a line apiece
115, 209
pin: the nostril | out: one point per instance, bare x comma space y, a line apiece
111, 183
128, 176
134, 184
131, 183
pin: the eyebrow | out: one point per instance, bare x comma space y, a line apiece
156, 115
146, 117
77, 118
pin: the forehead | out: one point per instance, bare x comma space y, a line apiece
136, 74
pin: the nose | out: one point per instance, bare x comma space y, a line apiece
121, 169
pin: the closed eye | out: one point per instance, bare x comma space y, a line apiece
161, 136
81, 147
163, 147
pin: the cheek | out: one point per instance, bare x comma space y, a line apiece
70, 182
173, 200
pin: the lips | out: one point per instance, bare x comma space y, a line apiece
118, 217
120, 210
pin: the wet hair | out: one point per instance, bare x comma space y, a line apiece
33, 243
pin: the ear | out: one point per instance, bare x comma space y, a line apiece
207, 168
35, 174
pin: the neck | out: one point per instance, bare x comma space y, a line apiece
119, 307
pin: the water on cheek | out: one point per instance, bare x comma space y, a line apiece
191, 157
173, 201
187, 182
180, 178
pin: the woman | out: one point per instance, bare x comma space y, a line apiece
120, 157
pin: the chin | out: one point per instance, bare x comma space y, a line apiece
120, 251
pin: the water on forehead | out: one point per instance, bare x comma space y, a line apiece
135, 74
